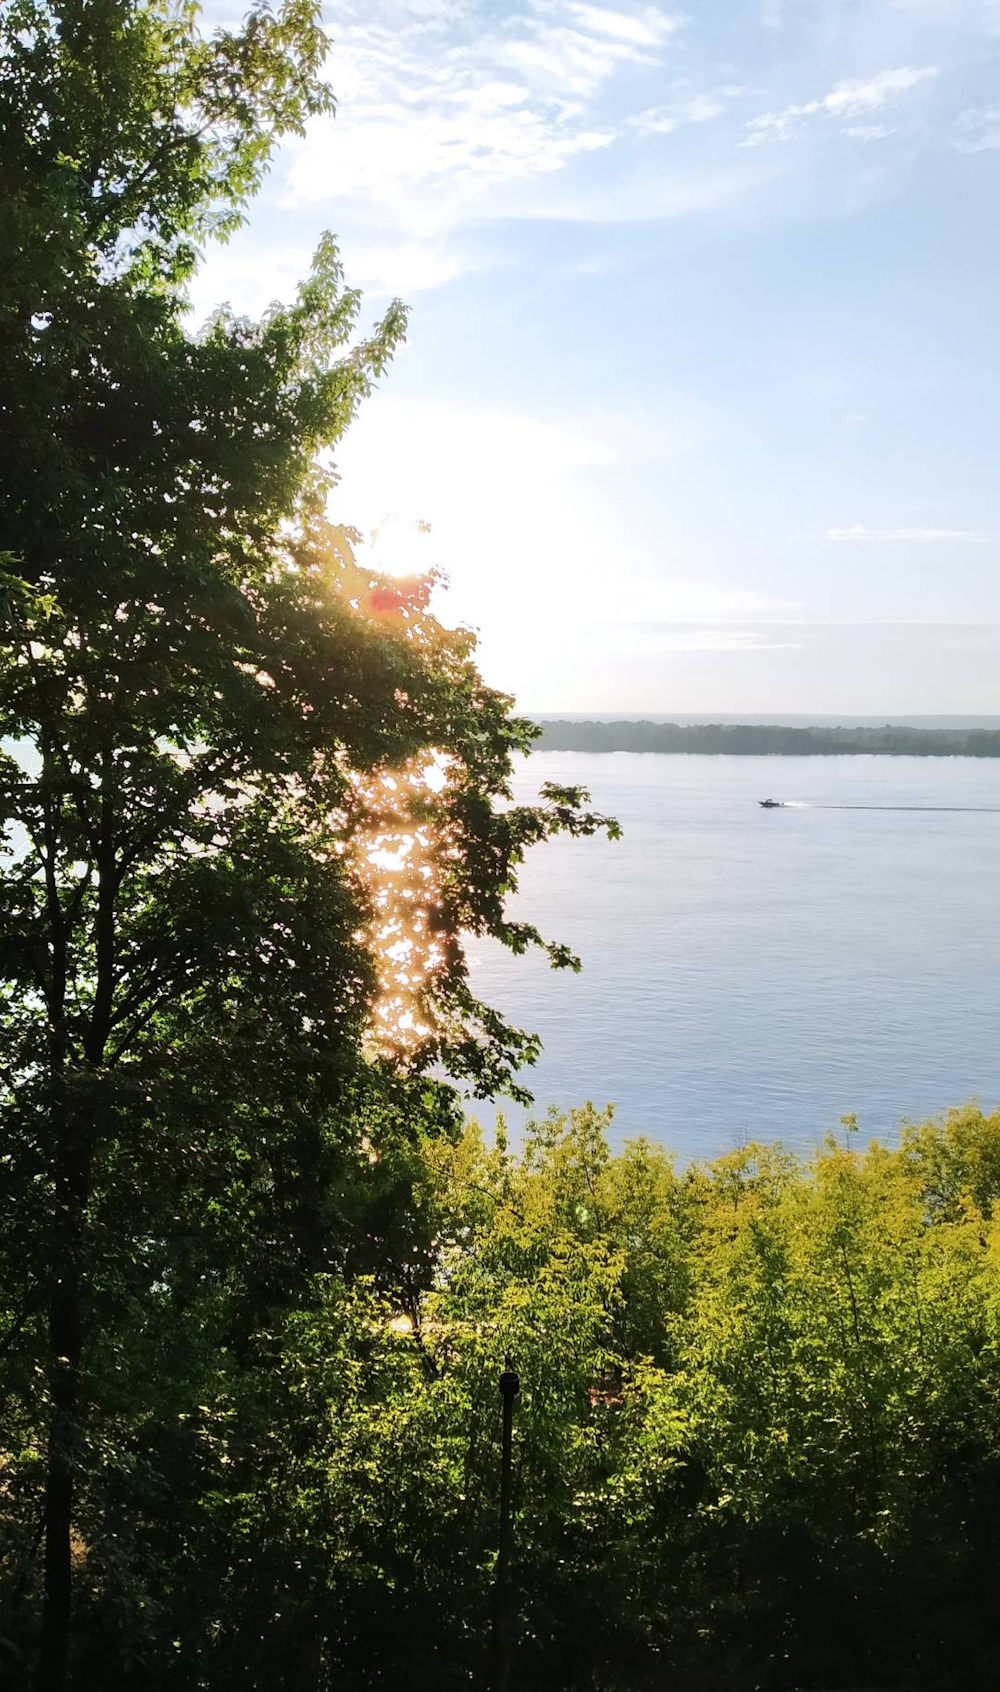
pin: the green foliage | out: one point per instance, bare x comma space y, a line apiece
757, 1441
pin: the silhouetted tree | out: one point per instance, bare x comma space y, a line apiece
211, 716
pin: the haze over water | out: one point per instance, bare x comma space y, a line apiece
757, 974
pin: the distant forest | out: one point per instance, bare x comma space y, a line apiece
749, 738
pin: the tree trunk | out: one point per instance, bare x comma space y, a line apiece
65, 1323
64, 1336
503, 1612
65, 1353
74, 1145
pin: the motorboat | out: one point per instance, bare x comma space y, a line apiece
771, 804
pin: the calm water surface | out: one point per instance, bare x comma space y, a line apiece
751, 973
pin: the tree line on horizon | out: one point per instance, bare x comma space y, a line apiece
760, 739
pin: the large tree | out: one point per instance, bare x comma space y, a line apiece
253, 797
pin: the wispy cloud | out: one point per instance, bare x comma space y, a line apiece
386, 268
686, 108
979, 130
869, 132
648, 28
252, 276
569, 60
846, 100
858, 532
466, 141
437, 113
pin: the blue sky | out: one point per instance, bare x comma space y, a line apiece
701, 395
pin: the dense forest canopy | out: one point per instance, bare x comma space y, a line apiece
754, 739
757, 1442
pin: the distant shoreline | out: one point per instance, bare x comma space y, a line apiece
771, 739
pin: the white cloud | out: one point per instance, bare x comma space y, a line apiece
566, 59
576, 46
433, 120
451, 115
687, 108
847, 99
387, 153
979, 130
858, 532
648, 28
250, 278
869, 132
404, 267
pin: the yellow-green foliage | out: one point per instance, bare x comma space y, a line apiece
758, 1435
760, 1431
757, 1442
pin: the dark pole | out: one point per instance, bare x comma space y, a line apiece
503, 1612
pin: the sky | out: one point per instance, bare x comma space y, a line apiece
701, 392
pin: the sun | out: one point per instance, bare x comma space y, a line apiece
398, 546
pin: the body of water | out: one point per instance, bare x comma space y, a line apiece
757, 974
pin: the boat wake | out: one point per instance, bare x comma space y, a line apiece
812, 805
